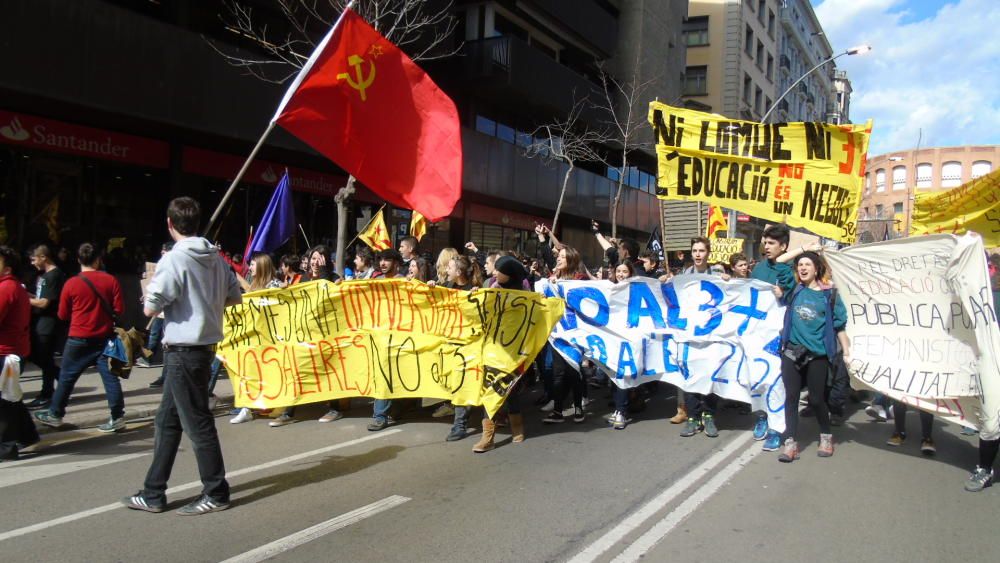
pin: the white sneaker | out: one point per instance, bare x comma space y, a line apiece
246, 415
877, 412
586, 401
618, 420
547, 407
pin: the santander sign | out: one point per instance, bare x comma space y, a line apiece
46, 134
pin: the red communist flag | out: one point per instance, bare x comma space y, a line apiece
362, 103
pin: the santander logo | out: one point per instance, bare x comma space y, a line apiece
15, 131
269, 176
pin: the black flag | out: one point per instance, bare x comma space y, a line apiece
655, 244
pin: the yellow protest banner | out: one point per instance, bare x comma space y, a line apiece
973, 206
723, 248
804, 174
387, 339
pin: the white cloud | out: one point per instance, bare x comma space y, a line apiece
940, 74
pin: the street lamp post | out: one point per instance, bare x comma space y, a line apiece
859, 50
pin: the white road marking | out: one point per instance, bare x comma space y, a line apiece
32, 459
56, 469
292, 541
654, 535
192, 485
636, 519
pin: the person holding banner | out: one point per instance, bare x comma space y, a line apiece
389, 263
775, 244
509, 273
698, 409
739, 266
566, 378
463, 274
364, 262
815, 319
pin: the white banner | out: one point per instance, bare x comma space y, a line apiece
922, 326
697, 332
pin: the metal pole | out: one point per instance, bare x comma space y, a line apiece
239, 176
796, 83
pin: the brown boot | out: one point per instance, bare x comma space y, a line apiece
516, 428
681, 416
485, 443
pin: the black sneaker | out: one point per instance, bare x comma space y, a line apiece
203, 505
456, 434
156, 383
39, 403
139, 502
554, 418
379, 424
578, 415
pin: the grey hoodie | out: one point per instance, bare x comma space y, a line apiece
191, 286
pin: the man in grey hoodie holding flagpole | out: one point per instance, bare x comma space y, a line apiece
191, 287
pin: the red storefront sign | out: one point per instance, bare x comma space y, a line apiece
213, 164
512, 219
33, 132
742, 218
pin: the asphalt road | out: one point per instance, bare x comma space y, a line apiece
582, 492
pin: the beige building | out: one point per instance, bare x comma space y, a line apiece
732, 50
892, 178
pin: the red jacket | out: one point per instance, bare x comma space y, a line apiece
15, 318
83, 309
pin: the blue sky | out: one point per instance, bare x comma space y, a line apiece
933, 73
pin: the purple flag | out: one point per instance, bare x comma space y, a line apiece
278, 223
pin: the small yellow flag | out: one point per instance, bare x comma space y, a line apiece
418, 225
50, 214
376, 235
717, 221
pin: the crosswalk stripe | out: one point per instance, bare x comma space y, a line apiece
192, 485
292, 541
25, 460
56, 469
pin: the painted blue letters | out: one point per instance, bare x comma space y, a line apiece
575, 298
715, 317
642, 303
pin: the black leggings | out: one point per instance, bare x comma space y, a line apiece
815, 373
899, 417
988, 453
565, 378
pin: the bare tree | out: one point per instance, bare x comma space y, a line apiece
621, 107
420, 30
568, 140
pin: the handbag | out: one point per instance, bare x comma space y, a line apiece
119, 355
10, 379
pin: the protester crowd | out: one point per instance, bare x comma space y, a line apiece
70, 317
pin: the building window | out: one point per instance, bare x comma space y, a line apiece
868, 184
951, 174
897, 208
696, 80
757, 99
880, 180
879, 209
759, 59
899, 178
760, 10
924, 173
770, 67
748, 45
981, 168
696, 31
770, 23
747, 88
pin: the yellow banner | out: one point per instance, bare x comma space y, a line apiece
974, 206
804, 174
387, 339
723, 248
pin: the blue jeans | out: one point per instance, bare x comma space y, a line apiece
184, 409
78, 355
155, 334
382, 409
